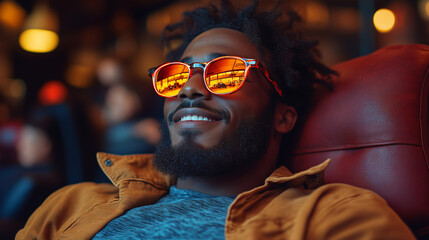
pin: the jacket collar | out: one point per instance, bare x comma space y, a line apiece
309, 179
140, 166
132, 167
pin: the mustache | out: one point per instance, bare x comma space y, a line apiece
198, 104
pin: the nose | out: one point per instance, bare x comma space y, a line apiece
194, 87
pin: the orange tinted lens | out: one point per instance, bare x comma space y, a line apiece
225, 75
170, 79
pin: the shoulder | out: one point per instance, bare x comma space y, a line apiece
77, 196
81, 190
347, 201
62, 208
339, 193
353, 211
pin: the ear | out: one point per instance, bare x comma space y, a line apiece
284, 118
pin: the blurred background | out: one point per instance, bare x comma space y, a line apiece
73, 79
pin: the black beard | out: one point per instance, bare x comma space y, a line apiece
235, 152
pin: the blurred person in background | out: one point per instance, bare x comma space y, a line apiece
123, 105
34, 147
128, 131
39, 171
9, 129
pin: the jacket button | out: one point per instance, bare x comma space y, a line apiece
108, 163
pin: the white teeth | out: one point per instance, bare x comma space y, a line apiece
194, 118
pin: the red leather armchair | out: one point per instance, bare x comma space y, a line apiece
374, 127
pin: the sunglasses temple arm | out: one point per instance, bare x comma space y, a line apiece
151, 71
272, 82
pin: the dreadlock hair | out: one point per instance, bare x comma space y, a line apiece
293, 59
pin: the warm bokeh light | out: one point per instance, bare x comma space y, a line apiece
156, 21
16, 89
38, 40
80, 76
423, 7
317, 14
384, 20
427, 8
52, 92
81, 69
11, 14
346, 19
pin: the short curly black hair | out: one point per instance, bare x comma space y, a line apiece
293, 60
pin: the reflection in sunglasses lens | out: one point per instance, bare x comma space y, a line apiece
225, 75
171, 78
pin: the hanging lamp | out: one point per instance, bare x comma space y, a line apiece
40, 30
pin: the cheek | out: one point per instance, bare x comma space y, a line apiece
169, 106
250, 102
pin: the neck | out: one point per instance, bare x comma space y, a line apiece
237, 182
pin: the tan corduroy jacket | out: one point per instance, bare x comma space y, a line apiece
287, 206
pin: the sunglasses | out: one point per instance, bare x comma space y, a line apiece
222, 75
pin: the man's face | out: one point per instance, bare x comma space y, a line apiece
243, 118
226, 111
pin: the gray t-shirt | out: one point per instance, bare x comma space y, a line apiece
182, 214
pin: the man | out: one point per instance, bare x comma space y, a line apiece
239, 82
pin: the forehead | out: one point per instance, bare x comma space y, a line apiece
220, 41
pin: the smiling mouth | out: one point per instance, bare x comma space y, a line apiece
197, 115
194, 118
194, 115
197, 112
